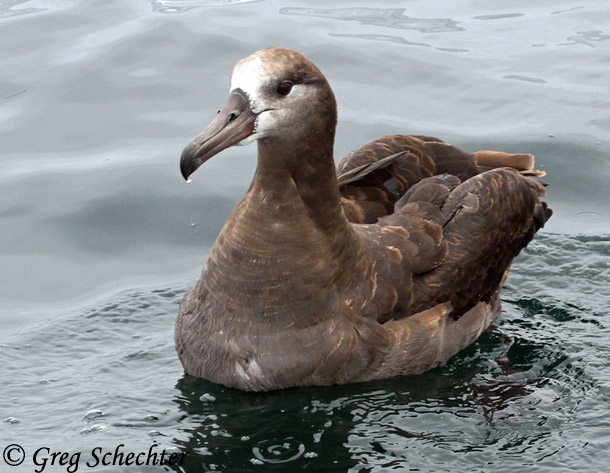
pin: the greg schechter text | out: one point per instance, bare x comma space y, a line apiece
44, 457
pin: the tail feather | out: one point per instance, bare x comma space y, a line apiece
522, 162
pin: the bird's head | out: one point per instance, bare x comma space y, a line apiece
276, 96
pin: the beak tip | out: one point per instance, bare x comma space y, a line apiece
184, 170
185, 173
188, 162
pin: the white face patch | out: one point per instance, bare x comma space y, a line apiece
258, 76
249, 75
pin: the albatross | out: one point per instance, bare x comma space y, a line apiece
388, 264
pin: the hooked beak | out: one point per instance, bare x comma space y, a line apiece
233, 123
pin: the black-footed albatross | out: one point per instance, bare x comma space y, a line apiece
388, 265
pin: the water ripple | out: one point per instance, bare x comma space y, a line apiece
279, 451
499, 16
533, 80
179, 6
7, 9
590, 216
588, 38
384, 17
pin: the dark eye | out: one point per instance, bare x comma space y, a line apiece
284, 87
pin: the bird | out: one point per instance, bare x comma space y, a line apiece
387, 264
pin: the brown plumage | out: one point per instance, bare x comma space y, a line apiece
388, 265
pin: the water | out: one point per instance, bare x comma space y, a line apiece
100, 235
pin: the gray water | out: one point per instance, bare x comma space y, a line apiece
100, 236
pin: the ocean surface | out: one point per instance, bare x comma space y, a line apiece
100, 236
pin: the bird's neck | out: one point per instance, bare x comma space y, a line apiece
290, 223
302, 171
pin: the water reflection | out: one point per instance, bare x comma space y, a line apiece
237, 430
16, 94
522, 78
179, 6
396, 39
499, 16
384, 17
588, 38
381, 37
494, 396
7, 9
567, 10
